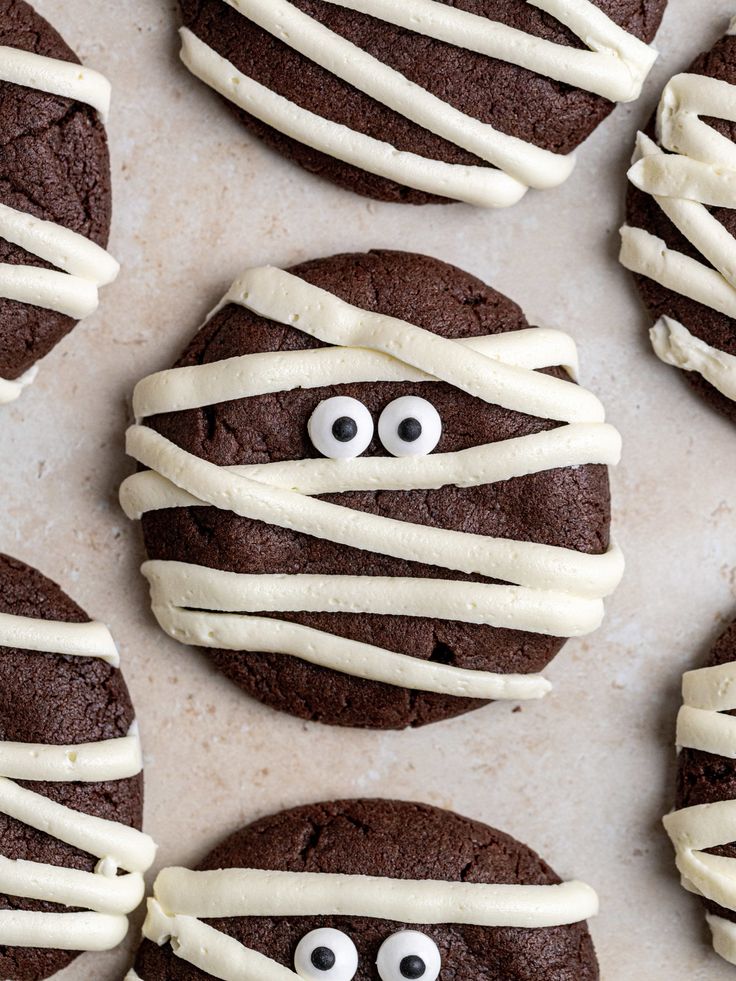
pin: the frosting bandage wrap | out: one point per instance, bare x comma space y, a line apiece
182, 898
698, 173
614, 65
702, 724
543, 589
105, 897
81, 266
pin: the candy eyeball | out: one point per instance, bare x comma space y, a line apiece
341, 428
409, 426
409, 956
326, 955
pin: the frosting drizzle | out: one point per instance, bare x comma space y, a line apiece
549, 589
614, 65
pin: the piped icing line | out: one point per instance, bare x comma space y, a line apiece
540, 588
708, 693
285, 298
105, 896
91, 639
194, 386
698, 172
568, 446
57, 77
182, 898
675, 345
11, 390
615, 66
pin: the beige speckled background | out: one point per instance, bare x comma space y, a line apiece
583, 777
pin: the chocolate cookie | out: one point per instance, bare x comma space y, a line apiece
680, 243
338, 904
54, 192
424, 101
303, 529
703, 826
60, 690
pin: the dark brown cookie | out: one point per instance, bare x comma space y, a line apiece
566, 507
54, 164
513, 100
400, 841
642, 211
704, 778
47, 698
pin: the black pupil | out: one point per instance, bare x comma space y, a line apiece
412, 967
410, 430
324, 959
344, 429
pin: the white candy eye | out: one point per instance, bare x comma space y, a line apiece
341, 428
410, 426
409, 956
326, 954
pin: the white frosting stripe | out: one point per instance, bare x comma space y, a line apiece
107, 896
701, 725
240, 633
524, 563
482, 186
114, 894
289, 300
47, 288
91, 639
61, 931
724, 937
113, 759
674, 344
249, 375
255, 892
526, 163
699, 172
615, 66
126, 847
568, 446
64, 78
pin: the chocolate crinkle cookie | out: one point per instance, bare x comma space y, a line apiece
371, 890
424, 100
374, 493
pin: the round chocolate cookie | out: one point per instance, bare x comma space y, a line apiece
56, 700
563, 506
707, 777
642, 211
513, 100
393, 841
54, 165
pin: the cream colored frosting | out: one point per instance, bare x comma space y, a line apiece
105, 896
697, 173
65, 78
549, 589
674, 344
84, 265
701, 725
182, 897
615, 66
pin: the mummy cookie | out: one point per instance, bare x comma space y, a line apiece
368, 889
703, 826
370, 493
72, 855
681, 221
424, 100
54, 192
